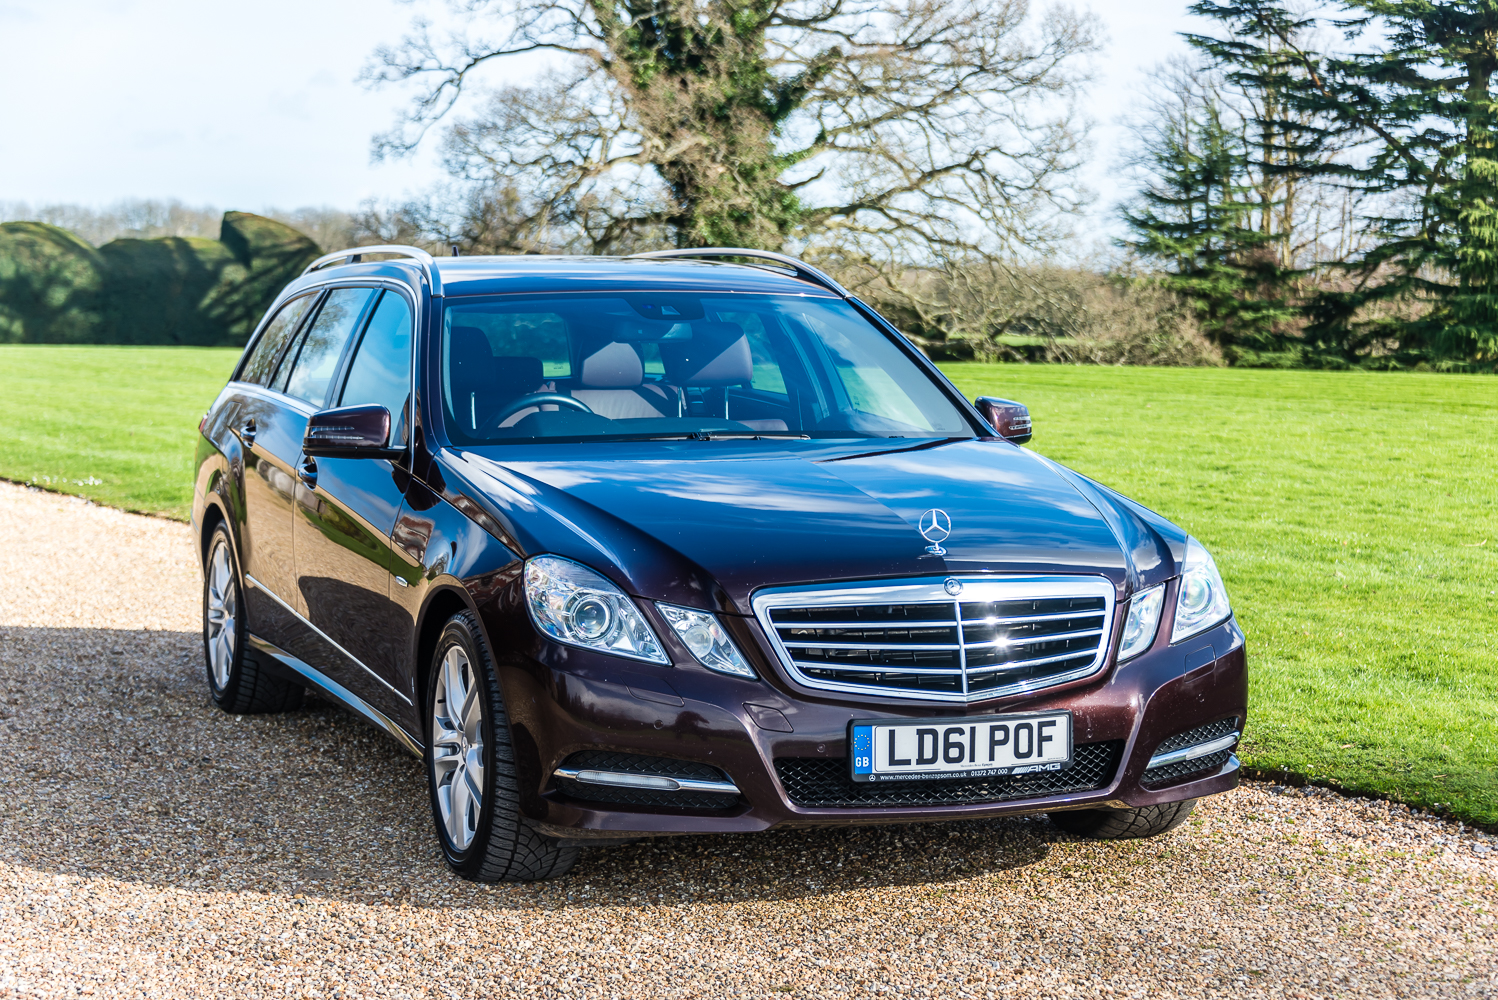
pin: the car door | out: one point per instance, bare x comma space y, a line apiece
270, 429
345, 511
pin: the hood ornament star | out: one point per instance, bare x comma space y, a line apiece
935, 527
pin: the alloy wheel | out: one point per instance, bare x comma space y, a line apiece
221, 614
458, 748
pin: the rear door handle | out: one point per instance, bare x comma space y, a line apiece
247, 433
307, 473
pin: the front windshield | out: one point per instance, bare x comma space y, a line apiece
556, 367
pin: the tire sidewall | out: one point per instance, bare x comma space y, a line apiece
459, 631
221, 697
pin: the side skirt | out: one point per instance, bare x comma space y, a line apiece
323, 682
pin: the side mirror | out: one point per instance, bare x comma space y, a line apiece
1009, 419
348, 432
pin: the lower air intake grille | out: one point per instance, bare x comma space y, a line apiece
821, 782
631, 763
1169, 774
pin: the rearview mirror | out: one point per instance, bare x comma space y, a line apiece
1009, 419
349, 432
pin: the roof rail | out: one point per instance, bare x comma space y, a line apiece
355, 254
800, 269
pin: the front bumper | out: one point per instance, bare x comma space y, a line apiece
565, 701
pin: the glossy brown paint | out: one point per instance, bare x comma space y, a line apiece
384, 551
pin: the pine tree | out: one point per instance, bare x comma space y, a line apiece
1416, 85
1196, 217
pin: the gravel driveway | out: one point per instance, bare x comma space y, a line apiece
152, 846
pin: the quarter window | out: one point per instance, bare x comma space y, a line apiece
262, 360
381, 369
322, 345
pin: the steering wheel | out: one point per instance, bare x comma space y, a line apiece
525, 402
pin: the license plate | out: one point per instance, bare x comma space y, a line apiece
927, 750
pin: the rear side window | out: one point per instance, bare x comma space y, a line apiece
323, 343
381, 369
262, 360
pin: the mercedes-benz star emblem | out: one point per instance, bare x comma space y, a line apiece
936, 527
952, 587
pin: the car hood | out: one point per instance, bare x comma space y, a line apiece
709, 523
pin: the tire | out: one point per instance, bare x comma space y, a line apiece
1124, 824
238, 682
471, 768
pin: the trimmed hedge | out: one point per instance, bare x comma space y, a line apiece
56, 289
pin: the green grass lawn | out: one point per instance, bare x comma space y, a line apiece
115, 424
1355, 520
1353, 515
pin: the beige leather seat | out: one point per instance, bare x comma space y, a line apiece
611, 380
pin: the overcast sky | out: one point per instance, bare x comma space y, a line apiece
254, 105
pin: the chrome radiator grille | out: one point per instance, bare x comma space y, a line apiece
916, 638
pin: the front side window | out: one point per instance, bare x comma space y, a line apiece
323, 343
381, 369
557, 367
262, 360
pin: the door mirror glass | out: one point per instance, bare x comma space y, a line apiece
1009, 419
348, 432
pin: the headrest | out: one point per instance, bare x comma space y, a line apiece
517, 376
467, 343
718, 354
611, 366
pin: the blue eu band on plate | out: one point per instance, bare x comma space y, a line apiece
929, 749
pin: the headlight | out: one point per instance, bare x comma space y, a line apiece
1203, 600
1144, 618
701, 633
573, 604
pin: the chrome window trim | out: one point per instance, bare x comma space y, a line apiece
932, 590
326, 638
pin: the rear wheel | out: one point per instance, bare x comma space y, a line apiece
237, 681
471, 769
1124, 824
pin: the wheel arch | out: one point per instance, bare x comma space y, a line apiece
441, 605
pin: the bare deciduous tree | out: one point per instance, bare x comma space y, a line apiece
918, 130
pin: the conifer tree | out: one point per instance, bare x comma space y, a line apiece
1415, 84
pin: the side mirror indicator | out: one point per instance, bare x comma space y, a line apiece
349, 432
1009, 419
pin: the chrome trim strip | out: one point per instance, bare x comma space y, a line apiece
949, 623
1029, 639
657, 782
881, 668
1025, 619
950, 647
326, 638
931, 590
1193, 752
343, 694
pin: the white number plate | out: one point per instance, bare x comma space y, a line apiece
929, 749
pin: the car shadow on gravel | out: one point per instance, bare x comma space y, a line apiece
114, 764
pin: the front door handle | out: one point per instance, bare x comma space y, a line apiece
307, 473
247, 433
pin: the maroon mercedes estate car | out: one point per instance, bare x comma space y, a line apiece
689, 542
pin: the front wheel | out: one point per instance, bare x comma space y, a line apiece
1124, 824
237, 681
471, 769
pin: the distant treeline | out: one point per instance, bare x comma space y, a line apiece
55, 288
